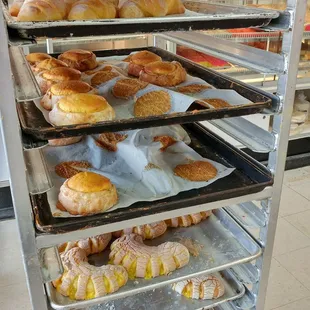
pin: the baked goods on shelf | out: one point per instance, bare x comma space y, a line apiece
35, 58
101, 77
49, 64
146, 231
138, 60
64, 141
126, 88
201, 287
81, 109
196, 171
68, 169
87, 193
150, 8
217, 103
163, 73
109, 140
147, 262
166, 141
78, 59
188, 220
91, 245
62, 89
153, 103
81, 280
192, 88
15, 7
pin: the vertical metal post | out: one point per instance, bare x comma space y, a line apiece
14, 156
281, 127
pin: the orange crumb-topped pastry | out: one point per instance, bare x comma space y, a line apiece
188, 220
127, 88
217, 103
138, 60
193, 88
166, 141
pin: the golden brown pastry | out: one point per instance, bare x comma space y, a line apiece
35, 58
127, 88
150, 8
102, 77
49, 64
146, 231
91, 245
193, 88
138, 60
217, 103
147, 262
188, 220
81, 280
109, 140
197, 171
201, 287
166, 141
42, 10
93, 9
59, 90
15, 7
78, 59
64, 141
152, 103
163, 73
60, 74
81, 109
87, 193
68, 169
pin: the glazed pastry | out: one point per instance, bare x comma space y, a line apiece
81, 109
138, 60
217, 103
127, 88
49, 64
35, 58
202, 287
109, 140
68, 169
150, 8
87, 193
50, 77
64, 141
15, 7
62, 89
196, 171
193, 88
147, 231
163, 73
92, 245
188, 220
166, 141
152, 103
147, 262
78, 59
81, 280
93, 9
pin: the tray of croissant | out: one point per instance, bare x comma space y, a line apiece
139, 88
186, 256
59, 18
107, 179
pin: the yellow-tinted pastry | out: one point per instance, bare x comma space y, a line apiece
35, 58
138, 60
48, 64
188, 220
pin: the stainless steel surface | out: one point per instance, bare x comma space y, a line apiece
44, 241
246, 302
26, 87
162, 298
38, 178
246, 273
249, 134
51, 266
243, 55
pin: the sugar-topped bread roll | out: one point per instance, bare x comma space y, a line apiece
62, 89
81, 60
35, 58
188, 220
138, 60
81, 109
87, 193
48, 64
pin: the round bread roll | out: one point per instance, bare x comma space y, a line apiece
59, 90
87, 193
81, 109
79, 59
163, 73
35, 58
101, 77
48, 64
64, 141
139, 60
193, 88
127, 88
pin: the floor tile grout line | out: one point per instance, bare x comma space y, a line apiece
282, 216
298, 192
289, 303
296, 227
289, 252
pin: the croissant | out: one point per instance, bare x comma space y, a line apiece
188, 220
93, 9
42, 10
150, 8
147, 262
90, 245
81, 280
15, 7
147, 231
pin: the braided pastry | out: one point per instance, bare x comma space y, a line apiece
147, 262
188, 220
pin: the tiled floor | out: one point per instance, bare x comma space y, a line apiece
289, 283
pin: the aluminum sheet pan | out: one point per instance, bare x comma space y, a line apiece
224, 244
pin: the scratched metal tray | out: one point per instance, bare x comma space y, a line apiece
34, 124
200, 15
224, 244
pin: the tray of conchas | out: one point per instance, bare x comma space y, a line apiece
112, 90
182, 261
57, 18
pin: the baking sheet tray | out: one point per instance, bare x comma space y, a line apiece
34, 124
248, 177
210, 16
224, 244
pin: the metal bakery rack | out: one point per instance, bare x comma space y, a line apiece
238, 237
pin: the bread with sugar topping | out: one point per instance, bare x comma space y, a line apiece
138, 60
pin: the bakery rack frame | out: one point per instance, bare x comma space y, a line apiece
260, 222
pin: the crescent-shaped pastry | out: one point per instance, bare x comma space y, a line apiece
202, 287
147, 262
81, 280
138, 60
188, 220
